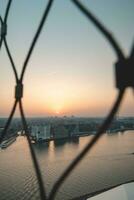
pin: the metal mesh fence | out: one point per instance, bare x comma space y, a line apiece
124, 78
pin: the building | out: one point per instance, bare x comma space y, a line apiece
40, 132
60, 132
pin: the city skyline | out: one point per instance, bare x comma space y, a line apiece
71, 71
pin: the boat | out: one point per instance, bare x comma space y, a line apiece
7, 142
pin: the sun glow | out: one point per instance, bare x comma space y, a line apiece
57, 112
57, 106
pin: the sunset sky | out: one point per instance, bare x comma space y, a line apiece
71, 71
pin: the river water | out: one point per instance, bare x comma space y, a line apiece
110, 162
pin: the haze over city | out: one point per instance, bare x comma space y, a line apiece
71, 71
72, 134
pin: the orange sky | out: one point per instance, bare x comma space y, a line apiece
71, 71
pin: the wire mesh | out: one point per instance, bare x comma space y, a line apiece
122, 82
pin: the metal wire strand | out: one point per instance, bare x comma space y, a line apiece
44, 17
101, 28
105, 124
4, 132
11, 60
0, 43
132, 51
5, 41
1, 21
5, 18
88, 147
35, 163
7, 10
34, 159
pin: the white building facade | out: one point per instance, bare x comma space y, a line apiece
40, 132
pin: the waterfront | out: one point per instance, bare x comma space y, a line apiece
110, 162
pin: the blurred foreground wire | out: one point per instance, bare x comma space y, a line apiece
124, 79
